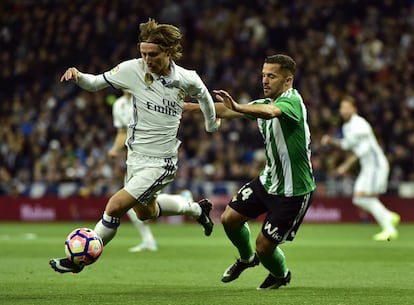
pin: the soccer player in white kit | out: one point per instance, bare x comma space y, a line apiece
158, 86
372, 179
122, 116
122, 110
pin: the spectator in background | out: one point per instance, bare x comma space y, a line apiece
373, 176
331, 48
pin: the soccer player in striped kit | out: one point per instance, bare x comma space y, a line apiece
284, 187
158, 86
372, 179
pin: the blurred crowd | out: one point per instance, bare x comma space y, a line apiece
55, 134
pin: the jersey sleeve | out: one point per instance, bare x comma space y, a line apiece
260, 101
120, 76
348, 141
91, 82
199, 91
356, 137
289, 107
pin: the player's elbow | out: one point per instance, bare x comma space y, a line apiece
267, 116
213, 125
212, 128
275, 112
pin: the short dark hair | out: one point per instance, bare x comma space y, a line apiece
286, 62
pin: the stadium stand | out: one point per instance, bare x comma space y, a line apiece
54, 138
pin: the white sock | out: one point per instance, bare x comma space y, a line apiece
380, 213
106, 228
142, 227
177, 205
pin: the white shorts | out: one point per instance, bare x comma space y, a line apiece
147, 176
372, 180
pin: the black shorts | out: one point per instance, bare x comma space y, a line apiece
284, 214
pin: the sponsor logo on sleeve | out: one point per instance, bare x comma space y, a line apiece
114, 70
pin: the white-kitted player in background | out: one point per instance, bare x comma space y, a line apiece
372, 179
122, 116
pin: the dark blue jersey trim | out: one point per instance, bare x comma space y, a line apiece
108, 81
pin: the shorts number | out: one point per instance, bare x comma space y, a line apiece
246, 193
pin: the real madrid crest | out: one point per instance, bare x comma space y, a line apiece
148, 79
180, 95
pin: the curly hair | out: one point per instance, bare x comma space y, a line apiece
167, 36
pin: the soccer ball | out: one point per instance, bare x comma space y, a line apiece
83, 246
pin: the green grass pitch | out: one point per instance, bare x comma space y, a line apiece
331, 264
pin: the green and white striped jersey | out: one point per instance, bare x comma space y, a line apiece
288, 170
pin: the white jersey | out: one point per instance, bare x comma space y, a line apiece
122, 112
359, 137
157, 104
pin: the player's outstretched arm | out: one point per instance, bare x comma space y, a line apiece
86, 81
346, 165
328, 140
221, 110
264, 111
119, 143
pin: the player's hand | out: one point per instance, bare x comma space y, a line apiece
224, 97
325, 140
113, 153
340, 171
70, 74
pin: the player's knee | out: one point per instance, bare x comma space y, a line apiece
119, 204
114, 208
362, 202
356, 201
140, 216
145, 215
145, 212
228, 219
224, 219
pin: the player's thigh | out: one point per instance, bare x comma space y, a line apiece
232, 219
285, 216
246, 204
